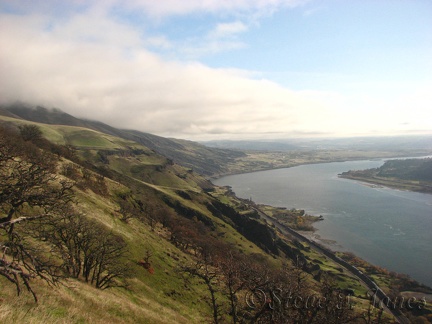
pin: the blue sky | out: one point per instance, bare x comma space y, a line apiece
226, 69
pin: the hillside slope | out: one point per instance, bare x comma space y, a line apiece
204, 160
217, 161
184, 251
144, 198
169, 218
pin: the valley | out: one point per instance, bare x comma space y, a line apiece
183, 250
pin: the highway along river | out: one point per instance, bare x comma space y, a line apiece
386, 227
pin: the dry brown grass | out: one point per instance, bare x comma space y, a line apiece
81, 303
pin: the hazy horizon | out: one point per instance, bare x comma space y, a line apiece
216, 70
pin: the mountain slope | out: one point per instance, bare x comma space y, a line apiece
138, 191
195, 252
204, 160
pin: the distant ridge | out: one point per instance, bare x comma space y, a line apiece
253, 145
202, 159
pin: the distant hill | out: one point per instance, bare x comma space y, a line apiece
142, 239
383, 143
41, 115
217, 158
253, 145
409, 169
202, 159
406, 174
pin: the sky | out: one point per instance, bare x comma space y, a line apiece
224, 69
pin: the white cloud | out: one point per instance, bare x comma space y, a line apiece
195, 49
93, 66
223, 30
116, 80
222, 38
160, 42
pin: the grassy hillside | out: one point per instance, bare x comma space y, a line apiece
220, 160
204, 160
193, 252
157, 297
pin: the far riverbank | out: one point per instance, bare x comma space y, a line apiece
386, 227
266, 161
379, 182
413, 174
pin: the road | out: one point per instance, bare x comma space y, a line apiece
365, 280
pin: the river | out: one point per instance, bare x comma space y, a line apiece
386, 227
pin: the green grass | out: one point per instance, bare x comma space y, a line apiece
166, 280
87, 138
161, 297
145, 301
77, 136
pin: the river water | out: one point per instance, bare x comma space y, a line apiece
387, 227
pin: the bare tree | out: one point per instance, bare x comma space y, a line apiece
88, 250
208, 274
29, 191
236, 273
108, 260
